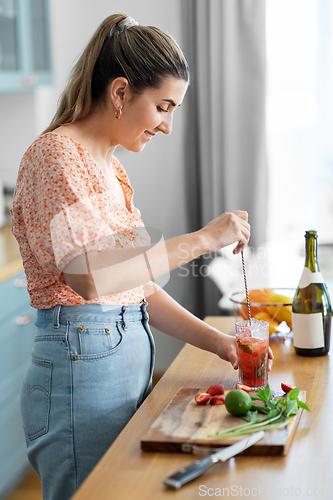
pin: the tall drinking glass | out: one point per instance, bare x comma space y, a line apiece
252, 339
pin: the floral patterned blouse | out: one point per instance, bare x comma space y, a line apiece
63, 208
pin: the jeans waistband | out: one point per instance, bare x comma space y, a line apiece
60, 314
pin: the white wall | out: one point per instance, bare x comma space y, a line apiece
156, 173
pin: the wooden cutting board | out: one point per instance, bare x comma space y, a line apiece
186, 426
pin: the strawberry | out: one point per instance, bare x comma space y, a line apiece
287, 387
202, 398
216, 390
243, 387
217, 400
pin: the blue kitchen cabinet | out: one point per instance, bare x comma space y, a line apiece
25, 51
17, 332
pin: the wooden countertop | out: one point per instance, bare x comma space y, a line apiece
10, 258
125, 472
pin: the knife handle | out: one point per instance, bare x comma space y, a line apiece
186, 474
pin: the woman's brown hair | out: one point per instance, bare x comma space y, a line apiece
144, 55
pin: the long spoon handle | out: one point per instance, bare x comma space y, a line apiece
246, 289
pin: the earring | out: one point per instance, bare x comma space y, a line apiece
117, 113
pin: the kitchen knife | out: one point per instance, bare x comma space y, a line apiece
194, 470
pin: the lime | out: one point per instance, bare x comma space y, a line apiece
238, 402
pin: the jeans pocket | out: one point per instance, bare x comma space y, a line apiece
96, 339
35, 398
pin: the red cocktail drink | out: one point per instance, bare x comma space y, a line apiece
252, 339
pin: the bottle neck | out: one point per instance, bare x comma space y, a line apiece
311, 260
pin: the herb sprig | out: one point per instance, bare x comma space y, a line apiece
278, 412
245, 347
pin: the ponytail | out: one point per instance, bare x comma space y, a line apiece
144, 55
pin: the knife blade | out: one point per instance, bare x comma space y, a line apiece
194, 470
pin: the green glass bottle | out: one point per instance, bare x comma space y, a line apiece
311, 310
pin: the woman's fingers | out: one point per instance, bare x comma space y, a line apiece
270, 359
241, 214
228, 228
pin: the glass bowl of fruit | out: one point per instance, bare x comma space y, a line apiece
269, 304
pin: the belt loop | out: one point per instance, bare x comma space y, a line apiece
56, 316
124, 316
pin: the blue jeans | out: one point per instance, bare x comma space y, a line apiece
91, 369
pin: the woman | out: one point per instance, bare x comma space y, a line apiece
87, 257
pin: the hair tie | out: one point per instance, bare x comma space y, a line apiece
123, 25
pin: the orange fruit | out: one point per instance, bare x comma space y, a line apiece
259, 296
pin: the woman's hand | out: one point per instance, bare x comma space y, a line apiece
226, 349
228, 228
